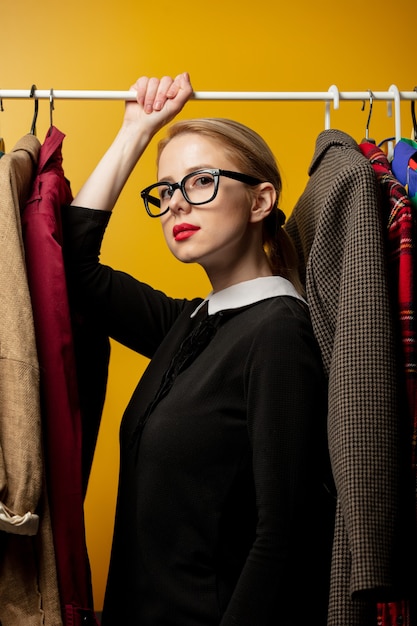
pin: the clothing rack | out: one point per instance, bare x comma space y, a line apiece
332, 96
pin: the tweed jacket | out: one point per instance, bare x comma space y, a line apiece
337, 229
28, 588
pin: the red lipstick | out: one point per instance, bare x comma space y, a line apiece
183, 231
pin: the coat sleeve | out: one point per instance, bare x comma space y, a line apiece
350, 304
338, 222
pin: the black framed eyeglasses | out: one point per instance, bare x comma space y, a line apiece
198, 187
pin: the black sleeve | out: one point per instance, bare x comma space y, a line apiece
129, 311
286, 575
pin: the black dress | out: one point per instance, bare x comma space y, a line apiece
223, 513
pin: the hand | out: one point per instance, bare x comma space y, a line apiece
158, 101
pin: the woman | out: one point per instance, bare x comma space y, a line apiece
223, 516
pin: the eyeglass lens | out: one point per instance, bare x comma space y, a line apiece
197, 188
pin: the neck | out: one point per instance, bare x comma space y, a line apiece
226, 277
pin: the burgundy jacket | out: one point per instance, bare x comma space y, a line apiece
62, 424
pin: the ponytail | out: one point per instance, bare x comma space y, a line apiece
280, 249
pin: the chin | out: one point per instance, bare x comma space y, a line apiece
182, 255
186, 260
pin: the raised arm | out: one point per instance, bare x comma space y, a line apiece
158, 101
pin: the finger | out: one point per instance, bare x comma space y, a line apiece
151, 91
180, 91
140, 87
161, 96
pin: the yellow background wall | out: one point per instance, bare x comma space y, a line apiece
229, 45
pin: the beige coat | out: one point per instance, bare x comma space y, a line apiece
28, 583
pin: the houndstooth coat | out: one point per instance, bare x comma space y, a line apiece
336, 227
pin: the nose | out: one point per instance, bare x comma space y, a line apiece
177, 202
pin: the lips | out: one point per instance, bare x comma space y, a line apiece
183, 231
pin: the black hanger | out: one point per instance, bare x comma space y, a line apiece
35, 114
51, 109
413, 116
2, 149
371, 103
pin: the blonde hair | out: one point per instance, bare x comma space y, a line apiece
252, 156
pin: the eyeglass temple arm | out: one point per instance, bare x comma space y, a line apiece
151, 199
243, 178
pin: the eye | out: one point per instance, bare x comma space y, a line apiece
203, 180
165, 192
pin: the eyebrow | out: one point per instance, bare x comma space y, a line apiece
190, 170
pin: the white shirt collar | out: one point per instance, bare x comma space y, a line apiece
248, 292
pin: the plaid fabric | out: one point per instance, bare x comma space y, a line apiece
399, 220
337, 229
394, 614
404, 167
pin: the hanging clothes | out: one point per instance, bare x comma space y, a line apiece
399, 220
401, 241
61, 413
404, 166
337, 229
394, 613
28, 583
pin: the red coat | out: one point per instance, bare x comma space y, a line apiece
41, 224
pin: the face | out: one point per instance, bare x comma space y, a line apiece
218, 234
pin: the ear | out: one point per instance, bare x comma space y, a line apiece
264, 198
